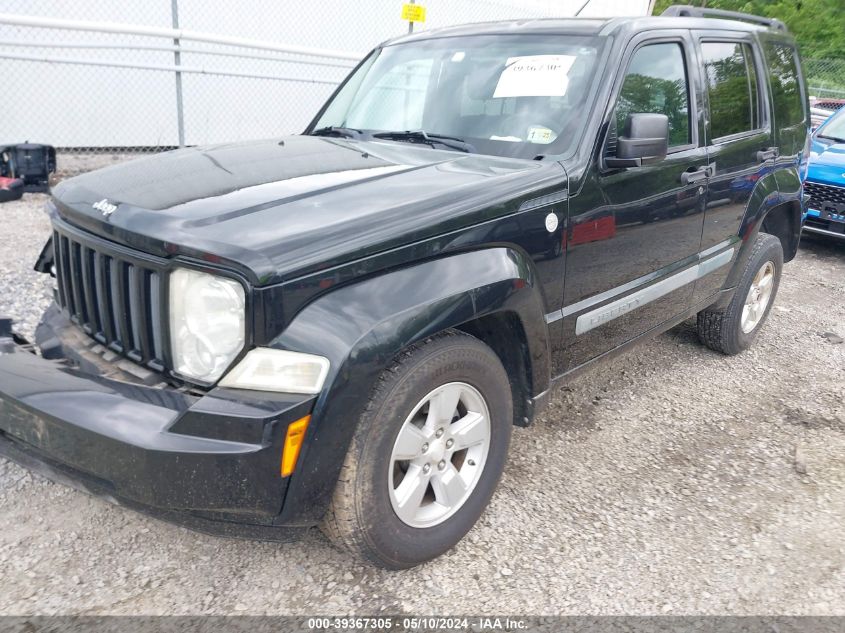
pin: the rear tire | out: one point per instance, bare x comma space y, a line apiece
734, 329
374, 512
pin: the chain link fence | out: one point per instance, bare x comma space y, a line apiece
826, 82
103, 80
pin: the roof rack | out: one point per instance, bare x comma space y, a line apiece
689, 11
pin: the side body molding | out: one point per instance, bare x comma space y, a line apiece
361, 327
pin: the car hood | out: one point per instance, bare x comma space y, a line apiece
827, 161
283, 207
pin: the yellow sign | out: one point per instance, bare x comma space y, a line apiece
413, 12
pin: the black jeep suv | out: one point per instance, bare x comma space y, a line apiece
340, 328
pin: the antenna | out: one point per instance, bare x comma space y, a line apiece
583, 6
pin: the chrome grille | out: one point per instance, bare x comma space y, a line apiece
116, 299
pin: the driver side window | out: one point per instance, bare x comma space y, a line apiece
656, 82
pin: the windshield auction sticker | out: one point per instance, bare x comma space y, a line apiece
540, 134
535, 76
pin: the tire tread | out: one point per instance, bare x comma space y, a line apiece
719, 329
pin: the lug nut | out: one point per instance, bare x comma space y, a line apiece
441, 465
425, 447
471, 462
450, 443
427, 468
439, 433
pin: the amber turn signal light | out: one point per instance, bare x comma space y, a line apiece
293, 442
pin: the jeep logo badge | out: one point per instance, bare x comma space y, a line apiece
105, 207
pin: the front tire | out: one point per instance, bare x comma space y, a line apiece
734, 329
427, 454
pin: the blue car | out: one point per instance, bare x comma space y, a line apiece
825, 184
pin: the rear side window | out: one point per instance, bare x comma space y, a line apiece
656, 83
786, 89
732, 87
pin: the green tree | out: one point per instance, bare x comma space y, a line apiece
818, 25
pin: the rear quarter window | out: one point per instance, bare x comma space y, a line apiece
789, 97
787, 94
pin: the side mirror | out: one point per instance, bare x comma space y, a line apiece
645, 140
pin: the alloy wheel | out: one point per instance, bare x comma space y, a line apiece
439, 455
758, 297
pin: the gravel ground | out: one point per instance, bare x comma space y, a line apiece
672, 480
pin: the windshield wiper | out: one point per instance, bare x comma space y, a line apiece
832, 138
333, 130
421, 136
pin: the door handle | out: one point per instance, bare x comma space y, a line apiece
769, 153
696, 175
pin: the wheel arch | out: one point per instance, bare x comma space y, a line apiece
504, 333
784, 217
784, 222
775, 207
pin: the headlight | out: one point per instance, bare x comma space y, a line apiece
278, 370
206, 323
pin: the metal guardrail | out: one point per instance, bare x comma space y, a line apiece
200, 70
174, 33
148, 47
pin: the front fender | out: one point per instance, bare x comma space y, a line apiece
360, 328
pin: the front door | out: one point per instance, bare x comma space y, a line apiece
634, 233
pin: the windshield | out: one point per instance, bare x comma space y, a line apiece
834, 127
507, 95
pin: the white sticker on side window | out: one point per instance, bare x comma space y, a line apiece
535, 76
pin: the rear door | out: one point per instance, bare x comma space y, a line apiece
740, 147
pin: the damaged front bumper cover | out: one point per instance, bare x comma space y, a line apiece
209, 462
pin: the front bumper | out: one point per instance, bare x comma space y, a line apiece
830, 225
210, 462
